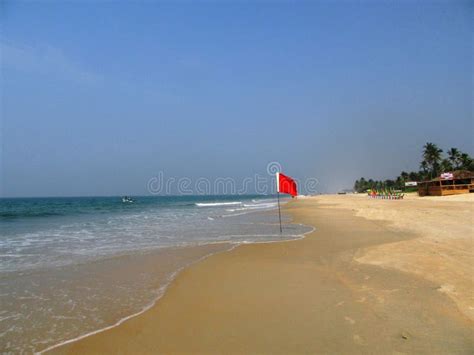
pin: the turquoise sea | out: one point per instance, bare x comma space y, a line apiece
74, 265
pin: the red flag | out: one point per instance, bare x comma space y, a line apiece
286, 185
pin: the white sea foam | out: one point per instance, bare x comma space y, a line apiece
259, 206
216, 204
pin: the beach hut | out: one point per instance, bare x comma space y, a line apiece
450, 183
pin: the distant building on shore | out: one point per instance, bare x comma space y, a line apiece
450, 183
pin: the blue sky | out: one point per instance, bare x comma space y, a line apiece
98, 97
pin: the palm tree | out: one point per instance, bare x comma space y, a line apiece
446, 165
357, 185
424, 169
432, 164
370, 184
466, 162
454, 156
404, 175
414, 176
432, 158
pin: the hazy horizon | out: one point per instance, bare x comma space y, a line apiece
99, 98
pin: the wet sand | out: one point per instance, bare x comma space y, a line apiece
42, 307
321, 294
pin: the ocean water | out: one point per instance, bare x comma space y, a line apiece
72, 266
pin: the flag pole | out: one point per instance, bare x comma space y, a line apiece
278, 197
279, 213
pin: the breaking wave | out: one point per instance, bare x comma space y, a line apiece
217, 204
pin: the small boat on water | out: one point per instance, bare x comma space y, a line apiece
127, 199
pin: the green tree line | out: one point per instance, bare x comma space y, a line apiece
433, 163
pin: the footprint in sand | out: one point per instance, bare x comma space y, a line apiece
349, 319
361, 300
340, 304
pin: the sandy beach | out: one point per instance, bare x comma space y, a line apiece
375, 277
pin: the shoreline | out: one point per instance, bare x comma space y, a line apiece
121, 287
82, 274
228, 247
160, 292
222, 328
